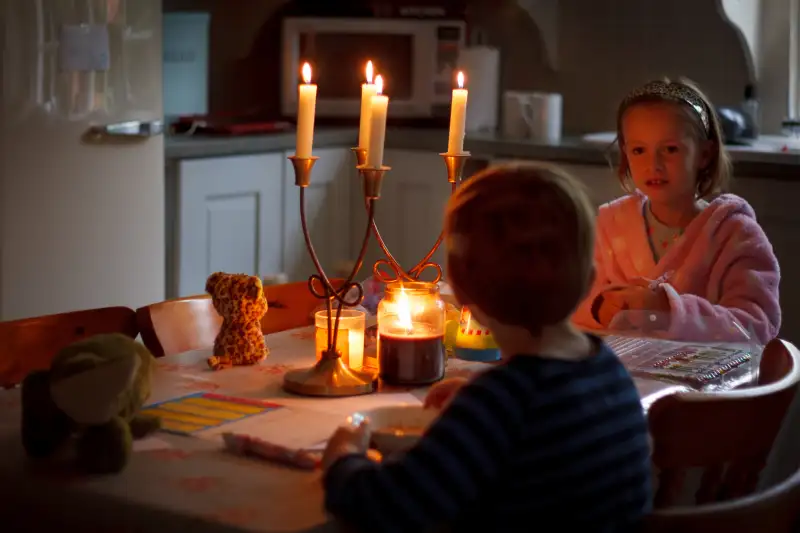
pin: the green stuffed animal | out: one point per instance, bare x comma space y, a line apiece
92, 393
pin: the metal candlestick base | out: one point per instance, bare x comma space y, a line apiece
329, 377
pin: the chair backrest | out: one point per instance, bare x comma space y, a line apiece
178, 325
291, 306
775, 510
192, 323
728, 434
31, 343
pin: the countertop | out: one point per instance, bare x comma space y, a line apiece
756, 162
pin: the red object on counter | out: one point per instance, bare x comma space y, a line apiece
223, 124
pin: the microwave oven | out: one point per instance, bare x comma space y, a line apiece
415, 57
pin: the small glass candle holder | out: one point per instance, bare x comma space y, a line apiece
411, 328
349, 340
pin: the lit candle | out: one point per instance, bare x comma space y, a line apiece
349, 339
458, 118
368, 90
379, 105
306, 105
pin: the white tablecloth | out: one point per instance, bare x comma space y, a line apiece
174, 483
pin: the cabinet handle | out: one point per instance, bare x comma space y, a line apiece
129, 129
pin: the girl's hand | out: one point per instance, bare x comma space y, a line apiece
346, 440
440, 394
632, 298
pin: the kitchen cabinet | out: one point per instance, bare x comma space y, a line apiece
242, 214
228, 216
410, 211
775, 204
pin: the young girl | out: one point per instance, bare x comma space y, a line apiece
672, 246
551, 438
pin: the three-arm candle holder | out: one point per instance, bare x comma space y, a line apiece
330, 376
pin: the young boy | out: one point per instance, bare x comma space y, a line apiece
551, 438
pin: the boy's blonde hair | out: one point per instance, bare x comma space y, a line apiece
699, 112
520, 242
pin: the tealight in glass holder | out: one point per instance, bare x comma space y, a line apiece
411, 328
349, 341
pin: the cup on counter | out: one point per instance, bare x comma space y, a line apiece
532, 115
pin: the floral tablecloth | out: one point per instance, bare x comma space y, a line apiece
175, 482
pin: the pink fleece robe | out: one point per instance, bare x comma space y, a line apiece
720, 272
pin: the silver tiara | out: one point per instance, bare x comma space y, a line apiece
676, 92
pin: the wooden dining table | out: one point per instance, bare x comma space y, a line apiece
190, 483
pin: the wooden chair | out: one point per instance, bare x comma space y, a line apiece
178, 325
191, 323
775, 510
30, 344
728, 434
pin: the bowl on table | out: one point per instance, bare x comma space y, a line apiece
395, 428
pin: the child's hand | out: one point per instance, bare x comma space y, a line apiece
345, 441
442, 393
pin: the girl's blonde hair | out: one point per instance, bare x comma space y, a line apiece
715, 176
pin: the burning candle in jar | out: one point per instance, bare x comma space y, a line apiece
411, 327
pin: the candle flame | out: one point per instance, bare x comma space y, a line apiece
460, 79
404, 311
369, 71
306, 73
379, 84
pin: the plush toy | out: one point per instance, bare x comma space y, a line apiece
93, 391
239, 299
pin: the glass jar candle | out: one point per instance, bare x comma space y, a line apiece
411, 328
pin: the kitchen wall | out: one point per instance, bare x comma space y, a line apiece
592, 51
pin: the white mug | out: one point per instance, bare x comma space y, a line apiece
532, 115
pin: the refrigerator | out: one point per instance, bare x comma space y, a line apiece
82, 183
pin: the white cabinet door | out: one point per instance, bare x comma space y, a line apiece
410, 211
230, 218
327, 208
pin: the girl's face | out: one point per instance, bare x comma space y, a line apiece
663, 152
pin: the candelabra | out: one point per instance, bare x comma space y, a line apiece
455, 170
330, 376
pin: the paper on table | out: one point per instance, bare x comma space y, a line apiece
290, 427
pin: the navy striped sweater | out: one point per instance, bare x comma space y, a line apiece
534, 444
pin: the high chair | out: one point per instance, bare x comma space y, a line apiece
728, 434
192, 323
31, 343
